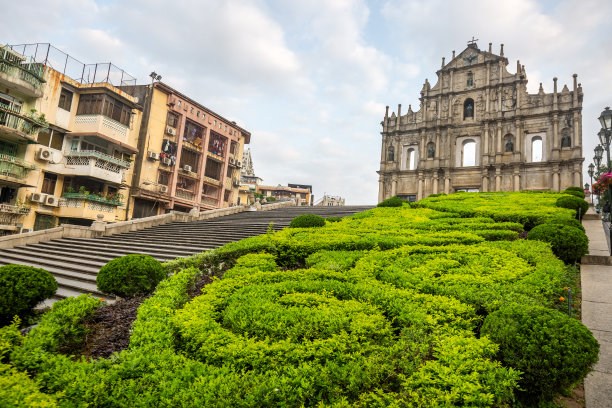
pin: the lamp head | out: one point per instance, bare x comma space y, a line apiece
606, 119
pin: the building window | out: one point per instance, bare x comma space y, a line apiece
536, 149
65, 99
191, 158
431, 150
468, 153
508, 144
191, 111
172, 119
411, 161
101, 104
227, 195
213, 169
229, 172
49, 182
178, 104
468, 108
210, 191
391, 154
51, 138
193, 134
197, 114
92, 147
163, 178
233, 147
217, 144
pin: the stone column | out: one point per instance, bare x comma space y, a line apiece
420, 187
555, 137
498, 179
577, 123
399, 116
447, 183
517, 180
381, 188
437, 154
435, 184
394, 186
577, 178
555, 178
485, 140
485, 184
499, 138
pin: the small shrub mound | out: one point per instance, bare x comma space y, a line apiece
21, 288
307, 221
394, 201
130, 275
552, 350
573, 203
575, 193
570, 222
568, 243
333, 219
579, 189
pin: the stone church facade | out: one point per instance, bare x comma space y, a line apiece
478, 129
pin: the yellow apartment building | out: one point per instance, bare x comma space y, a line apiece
190, 157
76, 167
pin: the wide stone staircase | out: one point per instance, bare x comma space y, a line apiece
75, 262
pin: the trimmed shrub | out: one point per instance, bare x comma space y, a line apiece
578, 194
568, 243
333, 219
573, 203
394, 201
21, 288
552, 350
307, 221
579, 189
570, 222
130, 275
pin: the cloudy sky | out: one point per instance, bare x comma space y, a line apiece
310, 79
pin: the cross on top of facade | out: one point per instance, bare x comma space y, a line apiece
472, 41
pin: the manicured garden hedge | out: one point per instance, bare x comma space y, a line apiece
384, 308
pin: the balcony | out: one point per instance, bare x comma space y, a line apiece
184, 194
13, 169
88, 206
20, 127
26, 78
90, 163
210, 202
10, 214
101, 125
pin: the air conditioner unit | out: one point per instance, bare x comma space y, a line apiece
45, 154
51, 201
163, 189
24, 230
167, 161
170, 130
152, 155
232, 161
187, 167
238, 164
38, 197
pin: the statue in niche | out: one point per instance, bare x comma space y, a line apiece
566, 140
568, 120
509, 146
431, 151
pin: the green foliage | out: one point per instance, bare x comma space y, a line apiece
333, 219
579, 194
570, 222
574, 203
22, 288
568, 243
394, 201
130, 275
307, 221
334, 260
578, 189
552, 350
9, 338
18, 390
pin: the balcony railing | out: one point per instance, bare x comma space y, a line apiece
210, 201
11, 166
20, 122
92, 197
10, 214
15, 66
99, 155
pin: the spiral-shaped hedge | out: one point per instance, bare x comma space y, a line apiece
316, 335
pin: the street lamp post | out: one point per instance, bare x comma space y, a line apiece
591, 172
605, 134
597, 161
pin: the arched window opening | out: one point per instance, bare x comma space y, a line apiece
508, 143
566, 140
391, 154
536, 149
468, 153
411, 161
468, 108
431, 150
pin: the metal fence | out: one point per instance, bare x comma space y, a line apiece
48, 55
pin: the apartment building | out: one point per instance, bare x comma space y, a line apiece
77, 142
21, 86
190, 156
280, 193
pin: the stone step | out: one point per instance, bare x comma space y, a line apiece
195, 242
102, 248
152, 248
60, 265
107, 254
27, 253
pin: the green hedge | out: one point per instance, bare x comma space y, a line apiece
307, 221
551, 350
394, 201
130, 275
568, 243
22, 288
